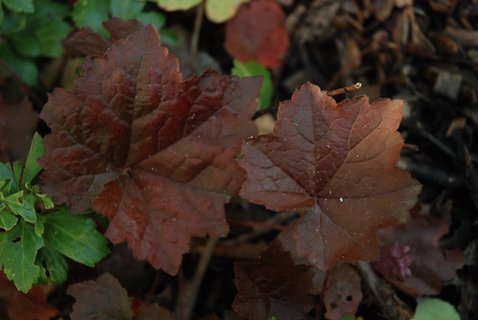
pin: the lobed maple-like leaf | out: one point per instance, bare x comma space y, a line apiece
153, 153
257, 33
22, 306
338, 162
430, 265
104, 298
273, 285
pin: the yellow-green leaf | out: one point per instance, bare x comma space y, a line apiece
174, 5
222, 10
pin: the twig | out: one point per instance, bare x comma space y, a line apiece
186, 306
197, 29
277, 218
152, 288
387, 300
412, 147
350, 88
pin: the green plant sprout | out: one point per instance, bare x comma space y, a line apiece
37, 237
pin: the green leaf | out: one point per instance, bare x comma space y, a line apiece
7, 220
46, 200
126, 9
12, 22
155, 18
19, 5
255, 69
32, 168
92, 14
17, 167
1, 13
6, 174
76, 237
435, 309
26, 43
168, 37
18, 250
22, 204
55, 263
173, 5
22, 67
50, 35
39, 226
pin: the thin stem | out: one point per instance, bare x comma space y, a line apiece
350, 88
197, 28
191, 290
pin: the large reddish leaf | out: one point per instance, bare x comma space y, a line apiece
257, 33
273, 285
104, 298
431, 265
153, 153
17, 124
21, 306
337, 161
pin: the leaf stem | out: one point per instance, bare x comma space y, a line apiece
197, 28
186, 306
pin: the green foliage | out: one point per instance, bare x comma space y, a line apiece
31, 32
255, 69
92, 14
435, 309
35, 237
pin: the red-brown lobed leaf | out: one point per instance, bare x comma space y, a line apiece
273, 285
431, 265
337, 161
21, 306
104, 298
153, 153
257, 33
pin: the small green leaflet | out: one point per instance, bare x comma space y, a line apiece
255, 69
32, 168
55, 263
75, 236
92, 14
7, 220
19, 5
435, 309
18, 249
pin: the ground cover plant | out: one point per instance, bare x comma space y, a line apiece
235, 171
